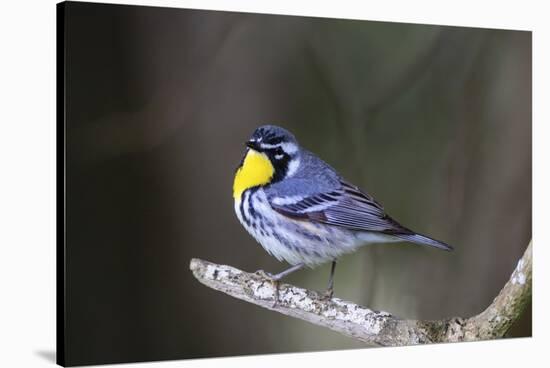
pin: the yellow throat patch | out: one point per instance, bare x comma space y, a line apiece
255, 170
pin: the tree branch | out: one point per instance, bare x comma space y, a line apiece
361, 323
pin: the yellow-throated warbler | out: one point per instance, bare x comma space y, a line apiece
302, 211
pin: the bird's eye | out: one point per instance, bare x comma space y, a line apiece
279, 151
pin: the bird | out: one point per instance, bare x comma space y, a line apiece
302, 211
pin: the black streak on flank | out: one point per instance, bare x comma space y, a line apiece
241, 209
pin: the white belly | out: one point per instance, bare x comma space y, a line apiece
295, 241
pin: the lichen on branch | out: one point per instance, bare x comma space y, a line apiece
364, 324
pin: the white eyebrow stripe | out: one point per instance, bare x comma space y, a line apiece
268, 146
286, 146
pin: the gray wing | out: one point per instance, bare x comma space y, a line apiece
320, 194
344, 206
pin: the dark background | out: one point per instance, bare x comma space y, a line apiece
434, 121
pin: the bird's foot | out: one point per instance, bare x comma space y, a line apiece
265, 275
327, 295
274, 280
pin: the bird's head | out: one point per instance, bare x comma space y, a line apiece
272, 154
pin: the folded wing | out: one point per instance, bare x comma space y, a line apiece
347, 207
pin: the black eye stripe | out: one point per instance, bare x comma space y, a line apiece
269, 139
275, 151
281, 166
275, 140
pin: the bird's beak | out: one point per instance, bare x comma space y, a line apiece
253, 145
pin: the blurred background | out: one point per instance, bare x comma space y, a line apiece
433, 121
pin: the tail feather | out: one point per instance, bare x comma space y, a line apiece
421, 239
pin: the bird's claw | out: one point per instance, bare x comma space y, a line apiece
327, 295
265, 275
274, 281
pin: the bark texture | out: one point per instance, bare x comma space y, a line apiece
369, 326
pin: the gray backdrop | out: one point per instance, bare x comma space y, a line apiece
435, 122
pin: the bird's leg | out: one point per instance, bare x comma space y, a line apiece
286, 272
330, 288
277, 277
